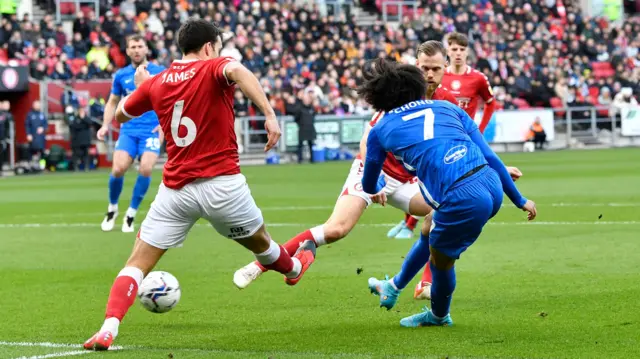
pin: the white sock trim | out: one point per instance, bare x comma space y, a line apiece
270, 255
131, 212
297, 267
111, 325
318, 235
112, 208
132, 272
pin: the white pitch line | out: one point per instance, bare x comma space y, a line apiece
312, 208
494, 223
42, 344
57, 355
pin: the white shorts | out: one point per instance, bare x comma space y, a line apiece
398, 194
224, 201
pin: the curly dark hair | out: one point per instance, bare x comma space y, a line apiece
388, 85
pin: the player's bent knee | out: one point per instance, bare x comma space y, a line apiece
418, 206
144, 256
336, 230
119, 170
440, 260
146, 170
257, 242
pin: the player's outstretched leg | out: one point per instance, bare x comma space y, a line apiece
121, 162
444, 283
346, 214
406, 232
123, 293
140, 189
272, 256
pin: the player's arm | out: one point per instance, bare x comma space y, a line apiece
110, 106
136, 104
489, 103
235, 72
373, 163
494, 161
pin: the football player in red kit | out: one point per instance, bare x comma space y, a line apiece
194, 102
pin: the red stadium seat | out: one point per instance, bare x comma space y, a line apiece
521, 103
556, 103
4, 55
67, 8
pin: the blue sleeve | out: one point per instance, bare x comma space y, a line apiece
373, 163
495, 162
116, 87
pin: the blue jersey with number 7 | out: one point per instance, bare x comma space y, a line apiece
438, 142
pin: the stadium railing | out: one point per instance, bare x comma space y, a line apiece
569, 127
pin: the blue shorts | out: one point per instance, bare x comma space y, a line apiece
464, 211
137, 144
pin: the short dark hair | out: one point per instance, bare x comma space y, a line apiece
431, 48
458, 39
195, 33
388, 85
136, 38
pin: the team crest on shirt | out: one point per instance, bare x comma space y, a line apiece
358, 187
455, 85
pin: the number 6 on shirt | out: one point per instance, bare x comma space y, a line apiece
428, 116
177, 120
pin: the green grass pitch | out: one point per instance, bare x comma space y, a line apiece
564, 287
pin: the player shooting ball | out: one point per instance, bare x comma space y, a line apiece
460, 177
466, 84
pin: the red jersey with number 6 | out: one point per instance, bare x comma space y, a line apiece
194, 103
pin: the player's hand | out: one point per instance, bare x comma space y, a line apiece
514, 172
141, 75
102, 133
273, 132
380, 198
530, 207
158, 129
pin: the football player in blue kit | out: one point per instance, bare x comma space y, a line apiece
139, 138
460, 177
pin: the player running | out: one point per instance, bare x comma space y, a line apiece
139, 138
459, 176
202, 179
401, 187
468, 86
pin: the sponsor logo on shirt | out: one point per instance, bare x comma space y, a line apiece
455, 154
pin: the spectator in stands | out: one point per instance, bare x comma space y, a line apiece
36, 128
80, 132
622, 100
80, 46
6, 118
304, 114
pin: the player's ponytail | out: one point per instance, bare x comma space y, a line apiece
388, 85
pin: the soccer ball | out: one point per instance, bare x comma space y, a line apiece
159, 292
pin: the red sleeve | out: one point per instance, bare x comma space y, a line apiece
218, 68
139, 102
484, 88
449, 97
489, 109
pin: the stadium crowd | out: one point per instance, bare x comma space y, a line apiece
534, 52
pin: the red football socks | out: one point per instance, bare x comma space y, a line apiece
410, 221
122, 296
